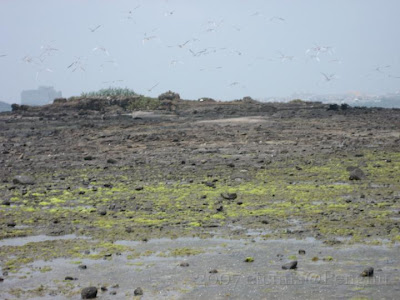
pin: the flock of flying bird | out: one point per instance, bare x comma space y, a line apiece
315, 53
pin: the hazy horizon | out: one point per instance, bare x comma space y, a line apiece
219, 49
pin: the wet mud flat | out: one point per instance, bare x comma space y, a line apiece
135, 197
194, 268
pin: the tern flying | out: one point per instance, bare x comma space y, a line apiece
101, 48
95, 28
328, 77
153, 87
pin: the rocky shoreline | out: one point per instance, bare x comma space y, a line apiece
144, 169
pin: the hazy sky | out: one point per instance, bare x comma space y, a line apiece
223, 49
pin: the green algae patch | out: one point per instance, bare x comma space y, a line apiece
181, 252
303, 189
14, 257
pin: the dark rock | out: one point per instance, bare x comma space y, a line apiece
334, 107
139, 188
89, 292
302, 252
17, 107
213, 271
265, 222
6, 202
368, 272
104, 288
113, 293
229, 196
1, 279
210, 184
221, 208
356, 174
24, 180
112, 161
138, 292
89, 157
70, 278
344, 106
290, 266
11, 224
82, 267
184, 264
102, 212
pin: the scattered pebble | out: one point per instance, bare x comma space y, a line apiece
249, 259
290, 266
368, 272
138, 292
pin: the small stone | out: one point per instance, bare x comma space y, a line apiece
249, 259
213, 271
111, 161
113, 293
139, 188
221, 208
24, 180
290, 266
82, 267
89, 292
184, 264
138, 292
368, 272
302, 252
104, 288
210, 184
6, 202
102, 212
1, 279
70, 278
229, 196
356, 174
11, 224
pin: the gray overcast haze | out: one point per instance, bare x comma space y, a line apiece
220, 49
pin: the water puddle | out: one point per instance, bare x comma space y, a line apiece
21, 241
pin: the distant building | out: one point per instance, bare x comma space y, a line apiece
43, 95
